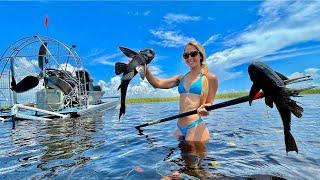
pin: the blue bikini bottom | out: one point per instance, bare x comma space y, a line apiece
184, 130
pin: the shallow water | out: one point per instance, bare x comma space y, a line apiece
245, 141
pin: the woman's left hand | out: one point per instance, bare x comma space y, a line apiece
202, 111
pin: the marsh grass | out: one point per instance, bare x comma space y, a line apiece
312, 91
167, 99
219, 96
148, 100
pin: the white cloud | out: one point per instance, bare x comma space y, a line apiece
25, 67
139, 13
68, 67
210, 18
282, 24
105, 59
111, 87
95, 52
226, 75
312, 71
146, 13
211, 40
290, 53
179, 18
142, 89
155, 70
295, 75
170, 38
315, 75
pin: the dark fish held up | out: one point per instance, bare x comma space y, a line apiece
138, 64
273, 84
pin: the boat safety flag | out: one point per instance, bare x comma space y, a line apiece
46, 21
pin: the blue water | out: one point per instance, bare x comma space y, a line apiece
245, 142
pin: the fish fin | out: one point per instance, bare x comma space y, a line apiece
253, 91
142, 71
290, 142
122, 110
268, 101
283, 77
294, 108
286, 120
128, 52
292, 104
120, 68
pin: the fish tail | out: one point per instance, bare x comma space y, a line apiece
123, 86
122, 109
290, 142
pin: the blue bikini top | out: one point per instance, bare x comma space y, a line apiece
195, 87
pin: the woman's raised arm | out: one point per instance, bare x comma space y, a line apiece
162, 83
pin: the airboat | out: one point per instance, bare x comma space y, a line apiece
42, 78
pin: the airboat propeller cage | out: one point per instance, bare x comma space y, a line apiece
38, 70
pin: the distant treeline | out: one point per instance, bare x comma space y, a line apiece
311, 91
218, 96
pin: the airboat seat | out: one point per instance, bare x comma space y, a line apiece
58, 83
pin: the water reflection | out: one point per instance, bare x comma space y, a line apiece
192, 154
60, 142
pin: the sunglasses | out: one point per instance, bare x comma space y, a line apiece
191, 53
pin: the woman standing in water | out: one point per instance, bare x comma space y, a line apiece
197, 89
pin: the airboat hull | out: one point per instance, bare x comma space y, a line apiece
91, 110
22, 112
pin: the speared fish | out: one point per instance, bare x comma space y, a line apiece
273, 84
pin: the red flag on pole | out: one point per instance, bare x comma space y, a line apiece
46, 21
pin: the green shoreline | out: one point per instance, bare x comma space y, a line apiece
219, 96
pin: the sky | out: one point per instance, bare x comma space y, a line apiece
283, 34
